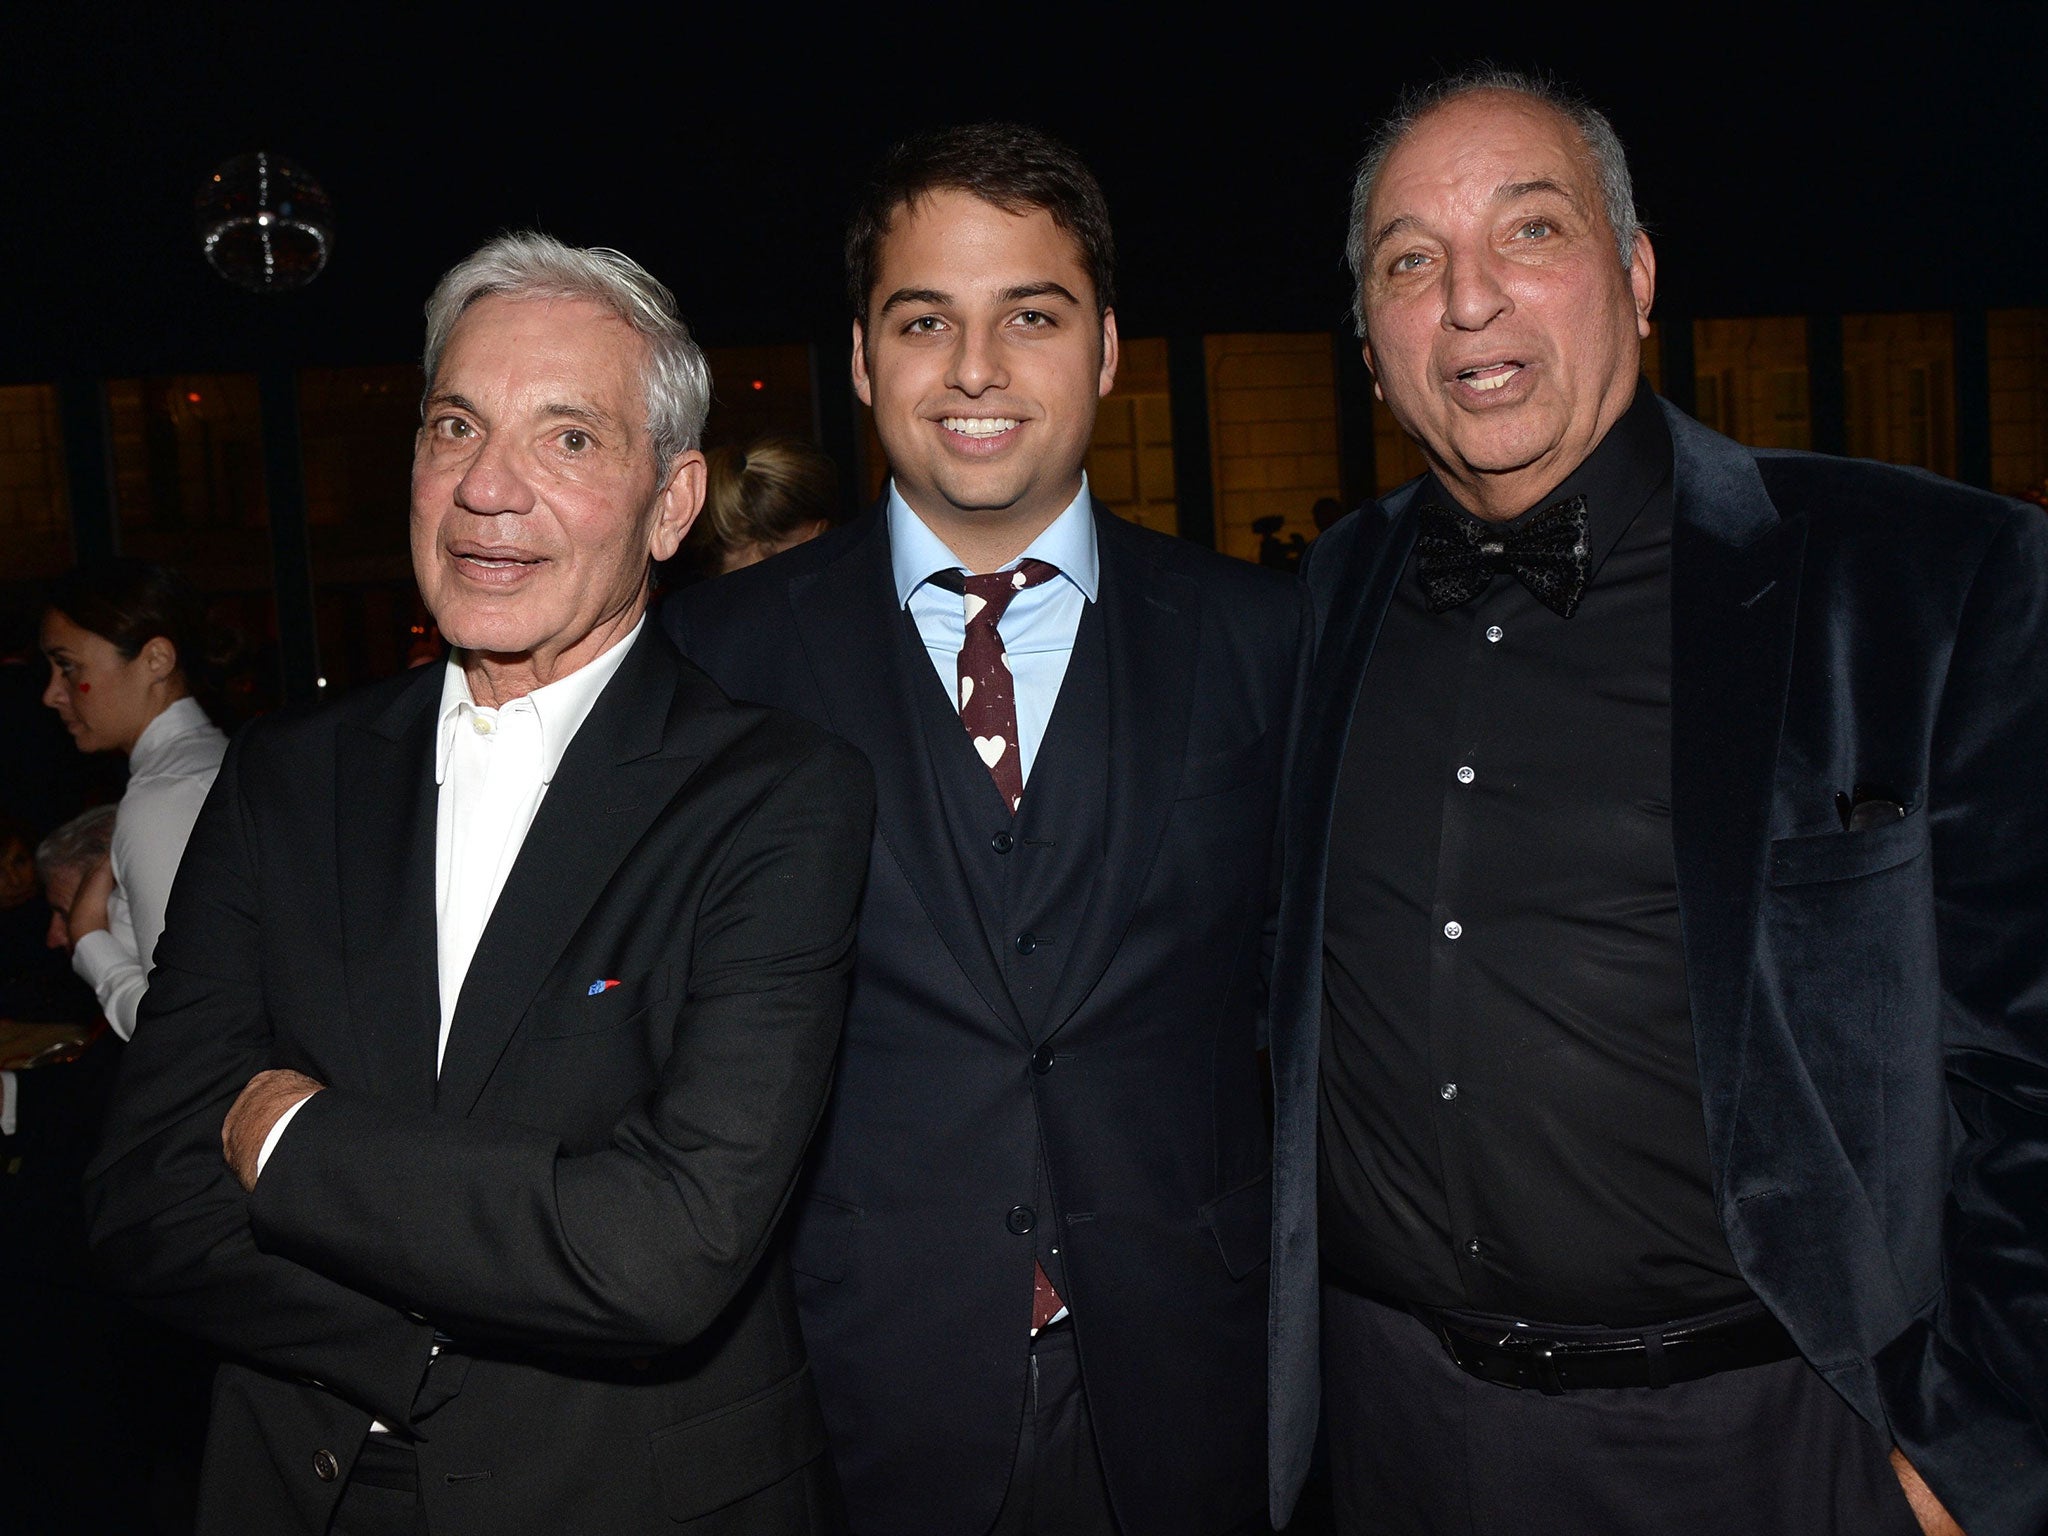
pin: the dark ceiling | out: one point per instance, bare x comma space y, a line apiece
1787, 160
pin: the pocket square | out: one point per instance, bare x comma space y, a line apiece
599, 987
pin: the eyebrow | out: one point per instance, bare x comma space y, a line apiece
1506, 192
595, 417
1037, 291
915, 296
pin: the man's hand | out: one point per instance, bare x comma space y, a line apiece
1927, 1509
256, 1110
88, 910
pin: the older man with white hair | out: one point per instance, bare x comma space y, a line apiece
498, 1002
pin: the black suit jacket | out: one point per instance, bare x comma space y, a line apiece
1870, 1008
582, 1200
1124, 1045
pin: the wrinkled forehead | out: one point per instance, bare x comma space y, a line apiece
1467, 150
511, 345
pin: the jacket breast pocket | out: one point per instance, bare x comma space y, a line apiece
1828, 856
563, 1015
1214, 772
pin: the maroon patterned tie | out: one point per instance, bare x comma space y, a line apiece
988, 708
988, 697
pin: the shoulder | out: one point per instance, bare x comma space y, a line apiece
300, 734
756, 592
1241, 592
1860, 500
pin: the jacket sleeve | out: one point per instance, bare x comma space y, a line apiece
1966, 1388
168, 1223
642, 1244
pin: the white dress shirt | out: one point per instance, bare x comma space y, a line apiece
1037, 628
169, 772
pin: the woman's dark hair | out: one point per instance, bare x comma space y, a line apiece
130, 602
761, 496
1007, 165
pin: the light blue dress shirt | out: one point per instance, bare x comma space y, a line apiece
1038, 627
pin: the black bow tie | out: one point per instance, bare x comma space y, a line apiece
1457, 556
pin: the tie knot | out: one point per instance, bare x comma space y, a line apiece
988, 595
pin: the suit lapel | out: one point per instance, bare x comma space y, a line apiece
384, 831
1152, 632
872, 674
1734, 579
624, 765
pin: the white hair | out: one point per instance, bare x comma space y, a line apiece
78, 845
530, 265
1603, 145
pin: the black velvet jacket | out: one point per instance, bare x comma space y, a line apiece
1870, 1007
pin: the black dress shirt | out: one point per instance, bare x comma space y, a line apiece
1511, 1117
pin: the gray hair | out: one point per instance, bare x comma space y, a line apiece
1610, 160
76, 846
530, 265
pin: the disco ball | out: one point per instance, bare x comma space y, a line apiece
264, 224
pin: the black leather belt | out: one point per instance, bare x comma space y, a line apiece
1567, 1360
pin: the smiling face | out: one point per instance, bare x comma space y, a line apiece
1501, 328
536, 498
983, 359
106, 699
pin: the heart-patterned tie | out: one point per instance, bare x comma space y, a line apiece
988, 709
988, 696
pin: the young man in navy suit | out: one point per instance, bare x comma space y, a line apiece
1031, 1248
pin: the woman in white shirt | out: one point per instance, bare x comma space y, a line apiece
121, 637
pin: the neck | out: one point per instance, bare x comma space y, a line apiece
497, 678
1498, 496
982, 543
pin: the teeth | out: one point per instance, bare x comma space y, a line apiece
979, 426
1507, 371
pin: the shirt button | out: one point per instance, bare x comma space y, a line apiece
1021, 1219
1002, 842
1466, 775
1026, 943
1448, 1092
1493, 634
480, 725
1453, 930
1041, 1059
1472, 1248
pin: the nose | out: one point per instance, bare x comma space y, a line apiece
54, 691
495, 481
1474, 295
977, 363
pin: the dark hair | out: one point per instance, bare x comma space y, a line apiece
1010, 166
761, 495
130, 602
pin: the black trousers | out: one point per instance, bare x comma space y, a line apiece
1419, 1448
1056, 1484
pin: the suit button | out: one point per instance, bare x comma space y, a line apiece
1002, 842
1026, 943
325, 1467
1041, 1059
1021, 1219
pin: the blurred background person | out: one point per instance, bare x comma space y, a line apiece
771, 495
123, 638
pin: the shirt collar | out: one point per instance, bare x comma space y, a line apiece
1617, 478
173, 721
561, 706
1067, 542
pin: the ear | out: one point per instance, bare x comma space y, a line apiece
159, 656
676, 505
861, 386
1365, 351
1107, 380
1642, 282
